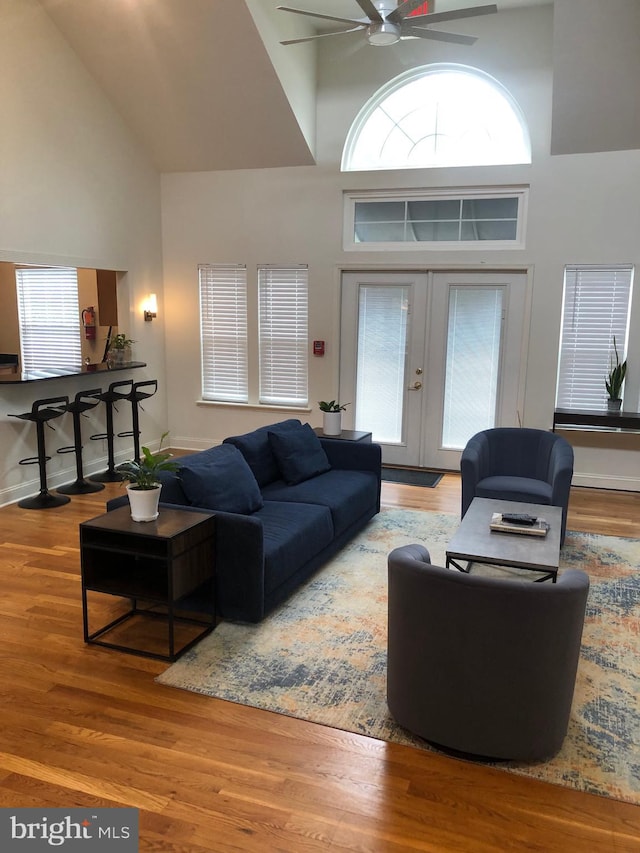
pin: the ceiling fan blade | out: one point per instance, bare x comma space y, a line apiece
453, 15
318, 15
370, 10
324, 35
398, 15
436, 35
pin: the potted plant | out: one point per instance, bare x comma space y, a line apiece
332, 416
143, 485
119, 349
615, 380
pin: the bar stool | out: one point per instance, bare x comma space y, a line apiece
110, 397
140, 391
42, 411
84, 400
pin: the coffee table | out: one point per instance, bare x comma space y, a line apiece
475, 542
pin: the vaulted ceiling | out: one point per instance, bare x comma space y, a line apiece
193, 79
205, 84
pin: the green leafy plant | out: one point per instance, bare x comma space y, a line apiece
617, 373
143, 473
332, 406
120, 341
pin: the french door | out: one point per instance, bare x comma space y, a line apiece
430, 358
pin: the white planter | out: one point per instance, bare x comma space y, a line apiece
143, 502
332, 423
614, 406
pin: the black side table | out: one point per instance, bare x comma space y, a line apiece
156, 565
345, 435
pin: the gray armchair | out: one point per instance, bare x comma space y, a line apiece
518, 464
482, 666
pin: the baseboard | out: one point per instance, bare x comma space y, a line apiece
26, 488
600, 481
193, 445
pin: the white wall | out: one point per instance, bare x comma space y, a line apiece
76, 189
583, 209
296, 69
596, 72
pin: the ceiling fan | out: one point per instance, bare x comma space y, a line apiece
386, 22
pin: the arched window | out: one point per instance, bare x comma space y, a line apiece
438, 115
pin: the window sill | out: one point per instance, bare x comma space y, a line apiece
253, 407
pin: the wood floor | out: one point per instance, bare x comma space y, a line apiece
85, 726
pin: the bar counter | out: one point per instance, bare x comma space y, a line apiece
61, 373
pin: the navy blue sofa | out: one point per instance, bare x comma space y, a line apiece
285, 501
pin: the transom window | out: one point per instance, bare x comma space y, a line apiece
420, 219
438, 115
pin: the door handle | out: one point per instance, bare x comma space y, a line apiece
416, 386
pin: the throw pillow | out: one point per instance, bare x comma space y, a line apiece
256, 449
299, 454
219, 478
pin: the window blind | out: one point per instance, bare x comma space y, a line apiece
49, 318
283, 335
223, 332
596, 307
474, 340
383, 314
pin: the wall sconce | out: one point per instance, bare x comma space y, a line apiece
150, 307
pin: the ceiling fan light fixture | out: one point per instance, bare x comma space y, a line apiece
383, 33
387, 24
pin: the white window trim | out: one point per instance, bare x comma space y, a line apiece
283, 333
226, 337
408, 78
572, 366
280, 308
350, 198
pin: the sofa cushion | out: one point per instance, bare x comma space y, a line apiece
299, 454
256, 449
293, 534
348, 494
172, 491
219, 478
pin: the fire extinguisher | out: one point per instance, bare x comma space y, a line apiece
89, 323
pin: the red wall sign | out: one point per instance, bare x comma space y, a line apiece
421, 10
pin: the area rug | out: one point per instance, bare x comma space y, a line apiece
322, 655
411, 476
